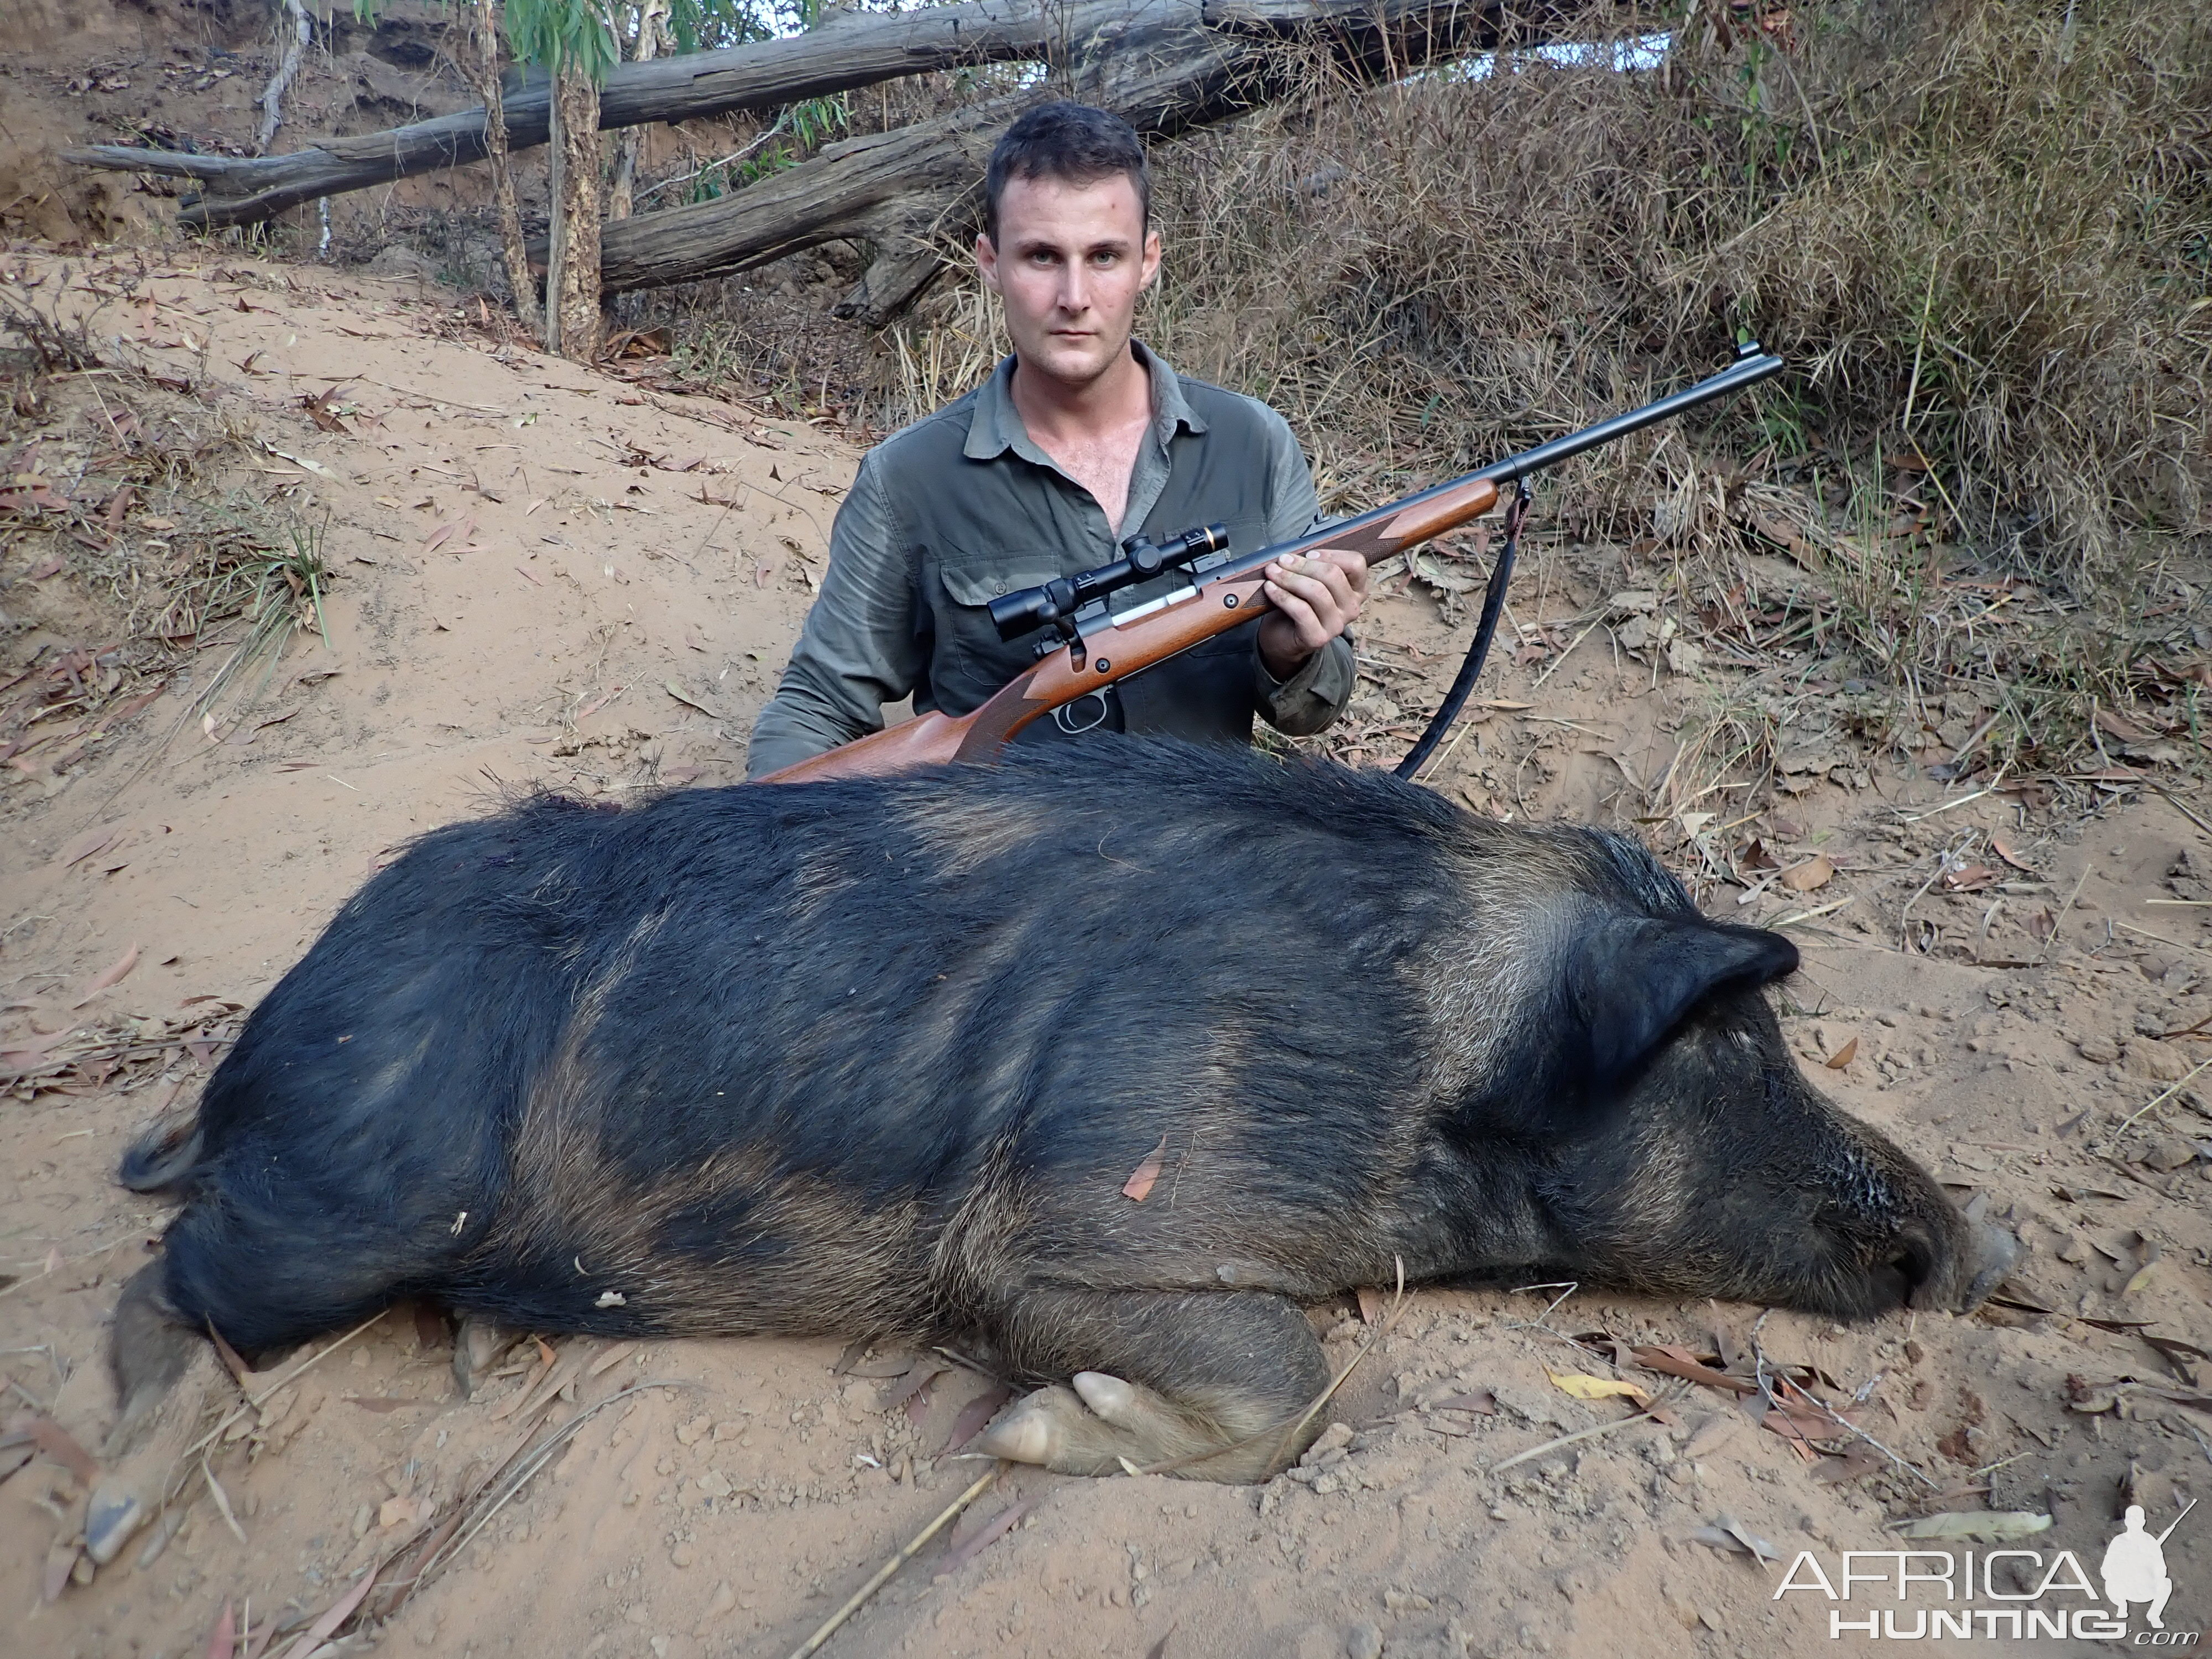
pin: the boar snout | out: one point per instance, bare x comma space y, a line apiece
1979, 1263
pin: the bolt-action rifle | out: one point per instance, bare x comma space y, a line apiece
1090, 647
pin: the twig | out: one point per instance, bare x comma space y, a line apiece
1943, 865
2160, 1097
883, 1574
221, 1499
1766, 1390
738, 156
1948, 805
537, 1461
2144, 932
1590, 1433
1807, 916
2062, 910
1552, 666
253, 1401
2174, 801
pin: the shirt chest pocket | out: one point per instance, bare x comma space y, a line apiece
970, 661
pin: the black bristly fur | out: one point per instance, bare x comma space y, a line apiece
878, 1055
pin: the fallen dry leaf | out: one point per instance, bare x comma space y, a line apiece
332, 1616
112, 974
1999, 1526
1139, 1187
686, 699
61, 1561
974, 1414
95, 841
1809, 877
2009, 849
57, 1442
1970, 879
1584, 1387
984, 1536
918, 1378
1843, 1057
1680, 1362
465, 527
1731, 1536
222, 1640
1481, 1403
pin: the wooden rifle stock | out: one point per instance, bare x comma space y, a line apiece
1228, 596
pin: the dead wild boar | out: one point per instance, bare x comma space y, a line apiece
877, 1058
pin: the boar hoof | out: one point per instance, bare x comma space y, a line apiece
1028, 1431
1110, 1397
477, 1346
115, 1514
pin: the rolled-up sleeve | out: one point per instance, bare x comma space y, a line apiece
860, 648
1312, 698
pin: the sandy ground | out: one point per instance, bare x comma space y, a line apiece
546, 576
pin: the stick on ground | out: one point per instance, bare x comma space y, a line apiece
828, 1626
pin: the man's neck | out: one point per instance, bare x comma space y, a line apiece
1055, 412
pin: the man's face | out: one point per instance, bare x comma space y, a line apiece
1069, 263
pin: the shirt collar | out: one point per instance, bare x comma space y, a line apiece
994, 426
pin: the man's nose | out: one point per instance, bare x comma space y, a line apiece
1075, 289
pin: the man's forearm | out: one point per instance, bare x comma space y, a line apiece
1311, 699
798, 723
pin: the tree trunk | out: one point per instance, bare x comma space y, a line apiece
557, 218
1195, 62
856, 50
651, 21
510, 246
573, 290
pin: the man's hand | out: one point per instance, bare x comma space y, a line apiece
1314, 599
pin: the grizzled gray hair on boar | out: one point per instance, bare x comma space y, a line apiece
877, 1057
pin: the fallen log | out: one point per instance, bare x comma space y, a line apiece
1172, 65
858, 50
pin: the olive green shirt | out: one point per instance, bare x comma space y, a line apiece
898, 616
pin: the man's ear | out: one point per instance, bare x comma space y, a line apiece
1632, 980
986, 261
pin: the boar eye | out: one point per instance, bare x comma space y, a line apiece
1632, 980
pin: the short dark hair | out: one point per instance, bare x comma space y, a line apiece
1070, 141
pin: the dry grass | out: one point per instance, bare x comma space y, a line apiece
1982, 230
123, 558
1981, 233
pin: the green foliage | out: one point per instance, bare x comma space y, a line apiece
556, 34
549, 34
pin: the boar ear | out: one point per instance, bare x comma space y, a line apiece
1630, 981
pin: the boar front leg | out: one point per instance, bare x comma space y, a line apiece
1213, 1386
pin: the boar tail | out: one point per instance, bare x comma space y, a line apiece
160, 1159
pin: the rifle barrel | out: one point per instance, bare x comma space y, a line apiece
1751, 366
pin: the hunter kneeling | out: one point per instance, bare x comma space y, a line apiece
1080, 438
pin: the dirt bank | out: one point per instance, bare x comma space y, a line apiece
543, 576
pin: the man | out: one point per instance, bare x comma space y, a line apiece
1081, 438
2134, 1568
